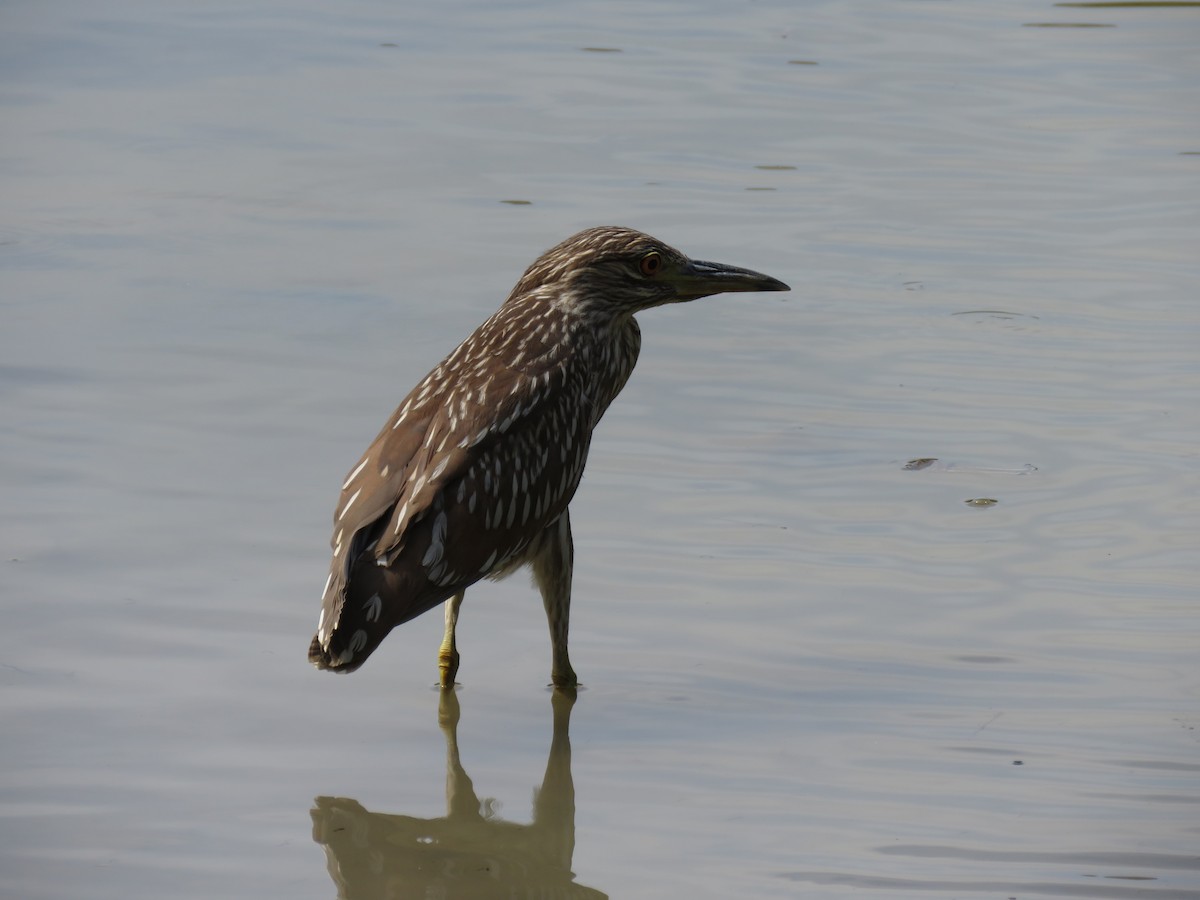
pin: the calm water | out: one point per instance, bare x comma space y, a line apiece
233, 238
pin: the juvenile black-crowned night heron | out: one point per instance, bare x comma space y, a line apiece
471, 476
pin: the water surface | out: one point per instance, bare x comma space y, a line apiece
233, 238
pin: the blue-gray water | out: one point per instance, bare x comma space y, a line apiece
233, 237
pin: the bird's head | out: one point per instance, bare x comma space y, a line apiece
613, 272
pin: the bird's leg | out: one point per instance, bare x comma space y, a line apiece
448, 652
552, 571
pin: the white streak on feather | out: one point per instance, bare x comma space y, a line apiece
373, 608
354, 474
353, 497
440, 467
437, 543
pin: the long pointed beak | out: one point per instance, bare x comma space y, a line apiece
702, 279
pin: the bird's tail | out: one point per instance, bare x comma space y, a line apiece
349, 628
357, 614
348, 644
321, 657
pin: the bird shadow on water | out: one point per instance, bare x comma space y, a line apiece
469, 852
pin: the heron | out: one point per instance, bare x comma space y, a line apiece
472, 475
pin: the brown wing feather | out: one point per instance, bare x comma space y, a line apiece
436, 469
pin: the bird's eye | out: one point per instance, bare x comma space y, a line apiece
650, 265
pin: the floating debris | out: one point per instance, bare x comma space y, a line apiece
1127, 4
994, 314
924, 462
982, 501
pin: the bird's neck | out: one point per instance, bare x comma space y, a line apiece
604, 354
596, 352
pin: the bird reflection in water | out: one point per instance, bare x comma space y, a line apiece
467, 853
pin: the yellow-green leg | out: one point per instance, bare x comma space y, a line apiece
552, 571
448, 652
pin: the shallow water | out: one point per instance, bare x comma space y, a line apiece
233, 239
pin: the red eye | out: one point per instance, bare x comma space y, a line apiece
650, 265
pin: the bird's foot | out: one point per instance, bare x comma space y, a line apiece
447, 667
566, 679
